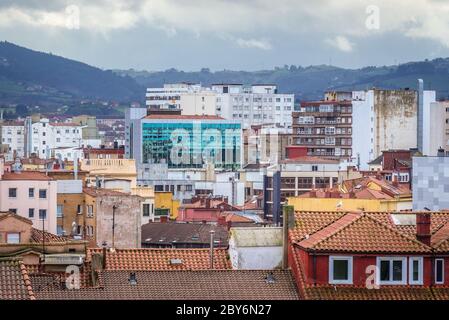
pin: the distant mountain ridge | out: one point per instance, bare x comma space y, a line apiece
309, 83
31, 77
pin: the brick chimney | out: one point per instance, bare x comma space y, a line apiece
423, 227
221, 221
395, 181
207, 203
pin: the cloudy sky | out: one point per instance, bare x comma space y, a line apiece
230, 34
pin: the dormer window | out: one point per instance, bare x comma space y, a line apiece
392, 270
340, 270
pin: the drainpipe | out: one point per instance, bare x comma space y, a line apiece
314, 268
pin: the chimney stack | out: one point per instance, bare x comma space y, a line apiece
423, 227
221, 221
288, 223
395, 181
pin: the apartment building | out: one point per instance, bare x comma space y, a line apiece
30, 194
325, 128
169, 96
388, 120
265, 143
294, 177
12, 139
47, 137
255, 104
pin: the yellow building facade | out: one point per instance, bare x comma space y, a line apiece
164, 201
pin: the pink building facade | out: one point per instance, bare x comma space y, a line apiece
32, 195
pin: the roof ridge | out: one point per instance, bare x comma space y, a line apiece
440, 243
340, 228
398, 232
26, 279
324, 226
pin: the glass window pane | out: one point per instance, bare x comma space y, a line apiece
13, 238
341, 270
439, 271
385, 270
415, 270
397, 270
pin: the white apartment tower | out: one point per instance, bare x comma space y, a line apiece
252, 105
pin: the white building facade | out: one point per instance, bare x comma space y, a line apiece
47, 138
12, 137
252, 105
388, 120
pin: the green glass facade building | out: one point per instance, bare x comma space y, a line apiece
185, 143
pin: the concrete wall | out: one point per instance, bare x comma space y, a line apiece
363, 127
433, 120
255, 258
200, 103
127, 220
436, 136
395, 121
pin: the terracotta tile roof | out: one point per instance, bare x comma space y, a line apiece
387, 187
185, 285
310, 222
26, 175
15, 283
358, 232
37, 236
342, 292
155, 234
161, 259
41, 281
4, 215
351, 292
183, 117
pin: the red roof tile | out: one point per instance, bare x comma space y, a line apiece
161, 259
356, 232
182, 285
15, 283
26, 175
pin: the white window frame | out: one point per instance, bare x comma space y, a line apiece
420, 270
331, 269
392, 282
439, 282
